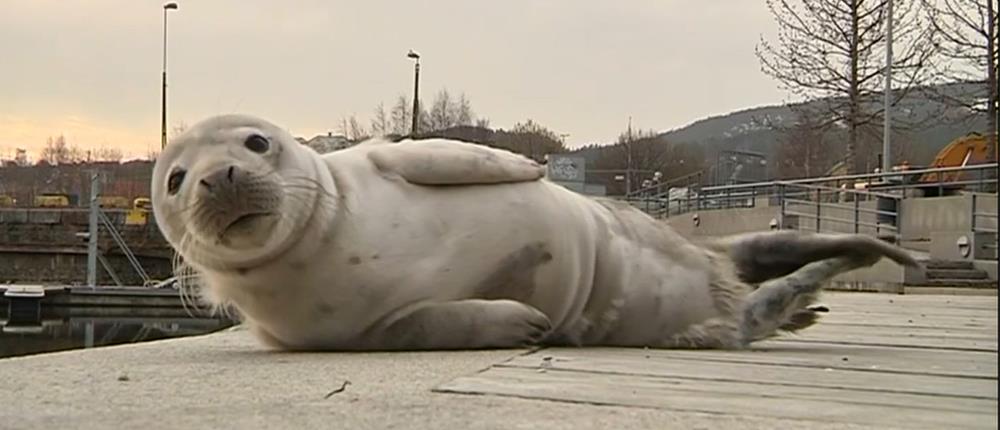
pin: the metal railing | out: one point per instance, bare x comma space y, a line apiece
744, 195
97, 218
976, 215
109, 269
836, 214
834, 203
123, 246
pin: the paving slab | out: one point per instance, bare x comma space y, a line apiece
225, 380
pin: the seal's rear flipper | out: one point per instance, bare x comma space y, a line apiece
799, 320
762, 256
783, 304
792, 268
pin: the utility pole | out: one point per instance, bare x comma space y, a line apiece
991, 76
887, 114
628, 159
95, 190
885, 205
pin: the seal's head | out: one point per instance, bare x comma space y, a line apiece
235, 191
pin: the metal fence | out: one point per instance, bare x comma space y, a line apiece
864, 203
980, 213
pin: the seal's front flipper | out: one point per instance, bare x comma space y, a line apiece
762, 256
450, 162
462, 324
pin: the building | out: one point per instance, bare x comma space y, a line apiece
570, 172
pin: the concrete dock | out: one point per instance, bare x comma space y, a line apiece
876, 361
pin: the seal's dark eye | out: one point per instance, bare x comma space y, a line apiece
257, 143
175, 180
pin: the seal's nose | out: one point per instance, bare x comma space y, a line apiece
223, 177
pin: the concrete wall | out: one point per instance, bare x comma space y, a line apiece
885, 276
837, 219
919, 217
716, 222
950, 213
128, 180
722, 222
41, 246
58, 228
71, 268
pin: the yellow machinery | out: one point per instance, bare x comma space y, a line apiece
113, 202
139, 213
7, 201
52, 201
143, 203
965, 151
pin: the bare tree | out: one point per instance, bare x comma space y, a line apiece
834, 50
356, 131
53, 150
640, 153
381, 124
107, 154
804, 149
530, 139
401, 116
423, 118
462, 111
352, 129
446, 112
57, 151
967, 35
441, 112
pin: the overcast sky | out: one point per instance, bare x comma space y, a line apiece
90, 69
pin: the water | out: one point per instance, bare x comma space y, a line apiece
27, 330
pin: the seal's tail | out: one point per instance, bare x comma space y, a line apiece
791, 268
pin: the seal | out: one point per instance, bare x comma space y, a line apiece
440, 244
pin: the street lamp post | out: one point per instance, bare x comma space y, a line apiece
163, 106
416, 90
887, 121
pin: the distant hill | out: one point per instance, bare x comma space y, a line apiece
759, 129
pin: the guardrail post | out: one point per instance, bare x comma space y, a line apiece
88, 334
818, 210
781, 205
857, 216
899, 222
972, 223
